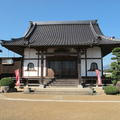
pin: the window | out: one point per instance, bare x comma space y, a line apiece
93, 67
30, 67
7, 61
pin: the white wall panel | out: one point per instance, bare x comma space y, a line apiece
39, 67
44, 68
93, 73
83, 70
30, 73
83, 56
94, 52
30, 53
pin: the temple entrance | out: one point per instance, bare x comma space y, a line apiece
64, 69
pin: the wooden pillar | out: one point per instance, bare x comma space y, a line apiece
101, 67
42, 68
38, 65
102, 61
22, 66
79, 67
26, 82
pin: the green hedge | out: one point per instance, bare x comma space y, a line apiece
112, 90
7, 82
114, 82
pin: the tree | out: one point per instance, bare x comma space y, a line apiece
115, 66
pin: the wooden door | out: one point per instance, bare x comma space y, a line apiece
64, 69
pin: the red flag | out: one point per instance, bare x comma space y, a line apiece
17, 78
98, 77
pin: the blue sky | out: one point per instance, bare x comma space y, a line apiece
16, 14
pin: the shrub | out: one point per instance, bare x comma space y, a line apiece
7, 82
114, 82
111, 90
115, 66
108, 75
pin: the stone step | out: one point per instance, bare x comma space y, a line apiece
63, 91
53, 83
65, 82
61, 82
62, 86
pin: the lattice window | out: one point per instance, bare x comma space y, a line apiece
7, 61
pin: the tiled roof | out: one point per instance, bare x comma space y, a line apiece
62, 33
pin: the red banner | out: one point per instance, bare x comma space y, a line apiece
98, 77
17, 78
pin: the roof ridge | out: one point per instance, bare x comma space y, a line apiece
97, 36
27, 34
28, 30
93, 31
64, 22
109, 38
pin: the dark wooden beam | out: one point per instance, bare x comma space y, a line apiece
86, 63
102, 61
38, 64
60, 53
22, 66
79, 68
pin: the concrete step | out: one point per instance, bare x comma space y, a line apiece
65, 82
62, 86
61, 82
54, 83
63, 91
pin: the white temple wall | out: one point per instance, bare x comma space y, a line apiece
30, 53
83, 68
44, 67
93, 73
30, 73
94, 52
93, 55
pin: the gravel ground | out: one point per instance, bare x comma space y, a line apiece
62, 97
38, 110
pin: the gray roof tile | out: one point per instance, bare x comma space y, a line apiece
63, 33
